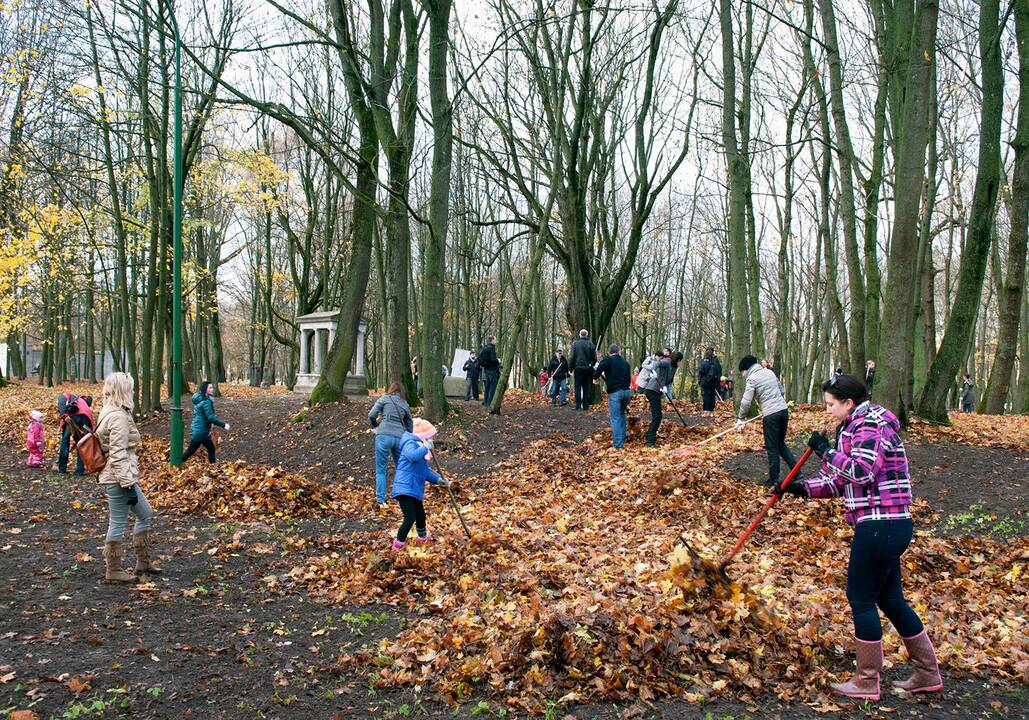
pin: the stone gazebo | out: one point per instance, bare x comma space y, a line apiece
317, 332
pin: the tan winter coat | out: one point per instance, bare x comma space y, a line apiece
119, 437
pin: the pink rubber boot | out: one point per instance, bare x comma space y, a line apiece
397, 546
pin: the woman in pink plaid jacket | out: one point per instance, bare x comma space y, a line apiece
868, 468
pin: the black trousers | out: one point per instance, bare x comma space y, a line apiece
472, 389
414, 514
874, 579
583, 380
774, 426
709, 398
654, 398
195, 445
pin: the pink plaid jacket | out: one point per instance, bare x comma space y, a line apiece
868, 467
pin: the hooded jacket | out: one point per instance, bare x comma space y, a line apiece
203, 417
119, 438
413, 468
868, 467
763, 384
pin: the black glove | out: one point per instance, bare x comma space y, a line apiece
133, 497
818, 442
795, 488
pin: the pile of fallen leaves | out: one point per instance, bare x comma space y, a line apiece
1004, 431
236, 490
575, 585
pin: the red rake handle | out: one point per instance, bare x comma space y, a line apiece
768, 504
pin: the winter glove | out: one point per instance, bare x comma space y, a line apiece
227, 426
428, 444
740, 425
818, 442
795, 488
133, 497
443, 482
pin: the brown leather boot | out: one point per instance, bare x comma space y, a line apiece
141, 544
927, 667
864, 685
112, 556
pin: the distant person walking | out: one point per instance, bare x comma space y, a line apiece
119, 438
870, 376
490, 364
200, 426
763, 385
709, 375
391, 417
584, 357
617, 374
967, 394
471, 373
558, 371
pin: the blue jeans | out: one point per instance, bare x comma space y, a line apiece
966, 407
617, 405
65, 449
492, 378
385, 445
559, 387
119, 509
874, 581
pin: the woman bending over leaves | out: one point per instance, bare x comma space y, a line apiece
868, 468
119, 438
409, 483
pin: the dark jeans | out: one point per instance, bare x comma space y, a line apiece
654, 398
583, 380
65, 449
874, 579
472, 389
195, 445
709, 398
775, 444
490, 386
414, 514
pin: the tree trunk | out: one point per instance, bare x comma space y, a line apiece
933, 401
910, 140
1010, 301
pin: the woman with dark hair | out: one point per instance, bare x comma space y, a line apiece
391, 417
661, 371
868, 468
203, 419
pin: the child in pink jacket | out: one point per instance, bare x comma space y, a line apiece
35, 440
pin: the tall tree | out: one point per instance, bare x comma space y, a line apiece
1010, 302
933, 401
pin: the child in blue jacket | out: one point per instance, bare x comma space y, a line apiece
409, 483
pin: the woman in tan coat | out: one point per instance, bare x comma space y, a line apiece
119, 437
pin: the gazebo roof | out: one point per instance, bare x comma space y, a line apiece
319, 316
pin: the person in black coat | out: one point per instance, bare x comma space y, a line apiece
584, 357
490, 365
617, 375
471, 373
708, 377
558, 371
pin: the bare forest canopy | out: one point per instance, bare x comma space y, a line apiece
820, 183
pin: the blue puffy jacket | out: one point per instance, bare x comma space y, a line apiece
412, 469
203, 417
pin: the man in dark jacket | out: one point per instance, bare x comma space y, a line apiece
870, 376
471, 373
708, 377
558, 371
490, 365
584, 357
617, 374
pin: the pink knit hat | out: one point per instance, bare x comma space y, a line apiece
424, 429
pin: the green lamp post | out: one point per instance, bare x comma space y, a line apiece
175, 432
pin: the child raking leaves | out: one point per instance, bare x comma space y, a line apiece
409, 483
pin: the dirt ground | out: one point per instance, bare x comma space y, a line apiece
206, 640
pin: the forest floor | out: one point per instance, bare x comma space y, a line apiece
279, 599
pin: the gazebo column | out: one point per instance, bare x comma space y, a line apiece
360, 350
319, 358
305, 354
